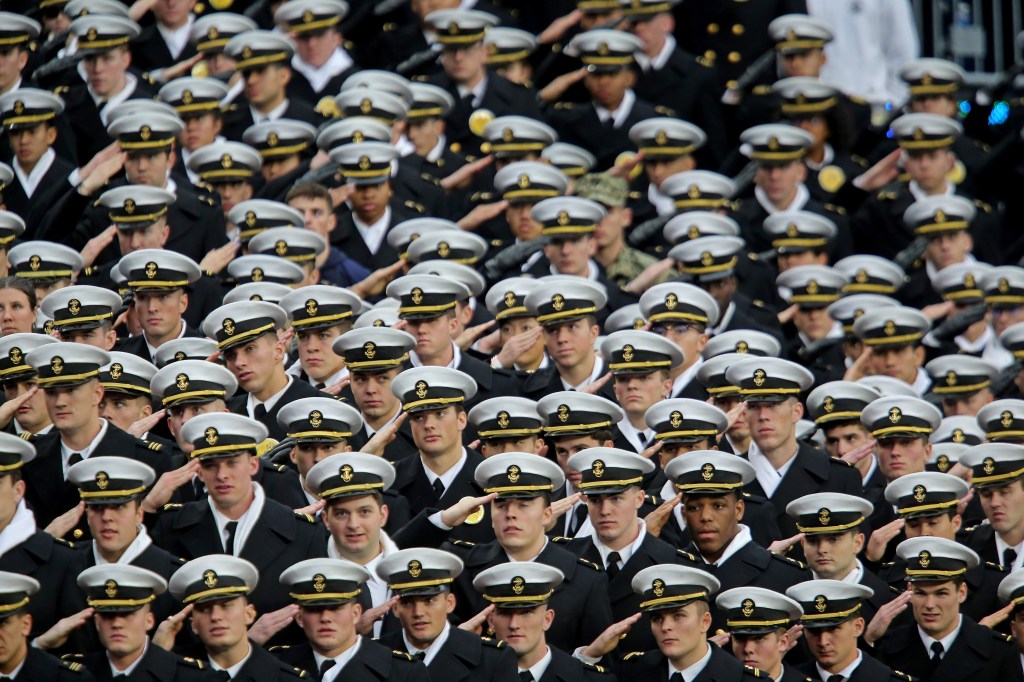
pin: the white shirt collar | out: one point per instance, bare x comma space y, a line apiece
687, 375
414, 359
233, 670
797, 204
340, 661
1001, 548
836, 332
373, 235
319, 76
592, 270
723, 320
434, 647
918, 193
947, 641
478, 91
131, 552
767, 475
626, 553
619, 115
272, 115
594, 376
152, 348
921, 382
740, 541
176, 38
448, 477
246, 521
845, 672
871, 469
17, 670
637, 438
130, 83
933, 272
978, 345
691, 673
30, 182
127, 671
663, 204
538, 669
827, 157
66, 452
252, 401
658, 61
438, 150
853, 577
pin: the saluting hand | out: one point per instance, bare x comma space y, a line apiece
168, 630
165, 486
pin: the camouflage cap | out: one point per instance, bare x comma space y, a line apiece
603, 188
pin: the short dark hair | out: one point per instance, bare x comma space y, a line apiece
311, 190
21, 284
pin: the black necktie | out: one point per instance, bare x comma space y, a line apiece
676, 677
229, 546
835, 678
326, 665
1009, 556
613, 564
420, 655
260, 413
937, 650
321, 386
525, 676
578, 515
438, 487
467, 100
223, 675
74, 459
609, 124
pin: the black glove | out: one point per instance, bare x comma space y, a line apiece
957, 324
511, 256
909, 255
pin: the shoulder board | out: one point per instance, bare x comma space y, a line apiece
308, 517
859, 160
1001, 637
65, 542
25, 435
653, 499
757, 303
842, 462
61, 90
279, 468
193, 662
209, 201
792, 562
762, 90
588, 563
886, 196
635, 195
561, 539
902, 675
686, 554
595, 668
299, 672
997, 567
987, 208
481, 196
205, 185
753, 256
889, 563
401, 654
835, 209
390, 26
665, 111
704, 61
96, 203
982, 146
153, 446
751, 671
971, 529
420, 78
633, 654
69, 656
173, 506
415, 206
280, 647
73, 667
427, 177
564, 105
857, 100
496, 643
463, 543
496, 242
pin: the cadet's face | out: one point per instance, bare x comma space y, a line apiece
608, 89
317, 214
901, 456
942, 526
370, 201
1002, 318
836, 645
567, 447
841, 439
929, 168
123, 634
124, 410
967, 406
434, 335
73, 407
222, 624
613, 225
32, 415
355, 523
372, 393
105, 72
255, 362
148, 168
16, 313
160, 313
901, 362
520, 221
264, 86
315, 353
178, 415
274, 168
521, 629
330, 629
934, 104
305, 455
98, 337
464, 64
773, 425
114, 526
788, 261
571, 343
520, 325
680, 632
814, 322
832, 556
1004, 507
495, 446
659, 169
423, 618
779, 181
152, 236
691, 339
669, 451
424, 134
725, 403
571, 256
614, 516
316, 47
436, 432
816, 126
519, 523
712, 520
11, 494
592, 19
636, 393
228, 480
12, 61
1016, 628
173, 13
200, 130
807, 63
14, 633
950, 248
936, 606
763, 652
29, 144
231, 194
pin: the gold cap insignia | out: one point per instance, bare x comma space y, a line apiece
760, 376
116, 370
919, 493
444, 250
558, 302
346, 473
145, 132
671, 301
35, 262
212, 435
1005, 418
110, 589
895, 415
563, 413
421, 389
102, 480
747, 607
316, 418
988, 465
675, 419
924, 558
209, 578
369, 350
319, 582
129, 206
57, 364
228, 325
415, 568
512, 473
181, 381
658, 587
417, 296
707, 472
829, 404
518, 584
503, 419
312, 307
597, 468
510, 299
627, 353
820, 603
74, 306
824, 516
14, 354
